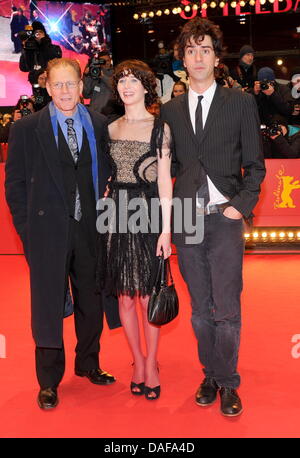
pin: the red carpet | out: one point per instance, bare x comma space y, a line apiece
269, 369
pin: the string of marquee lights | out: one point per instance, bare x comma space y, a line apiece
151, 11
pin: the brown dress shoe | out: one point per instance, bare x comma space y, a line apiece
207, 392
231, 405
97, 376
47, 399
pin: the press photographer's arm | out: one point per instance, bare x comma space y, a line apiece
37, 48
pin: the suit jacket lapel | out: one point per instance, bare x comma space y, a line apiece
49, 149
214, 110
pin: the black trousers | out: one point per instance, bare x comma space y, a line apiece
88, 312
213, 273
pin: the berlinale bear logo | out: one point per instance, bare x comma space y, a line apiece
286, 185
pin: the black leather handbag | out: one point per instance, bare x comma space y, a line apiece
163, 303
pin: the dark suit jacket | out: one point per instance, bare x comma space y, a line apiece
36, 196
230, 142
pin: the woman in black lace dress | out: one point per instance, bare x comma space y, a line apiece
139, 151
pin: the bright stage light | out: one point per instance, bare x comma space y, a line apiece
53, 27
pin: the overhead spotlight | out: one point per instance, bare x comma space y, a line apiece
242, 3
204, 6
262, 2
271, 1
151, 14
135, 16
255, 235
179, 9
118, 30
233, 4
187, 8
158, 12
221, 4
144, 15
174, 11
247, 236
151, 30
195, 7
252, 2
213, 4
279, 62
291, 235
264, 235
167, 11
273, 235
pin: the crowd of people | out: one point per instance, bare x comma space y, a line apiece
277, 103
68, 158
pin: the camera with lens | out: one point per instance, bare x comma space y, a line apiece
265, 84
271, 130
95, 63
163, 64
28, 39
24, 110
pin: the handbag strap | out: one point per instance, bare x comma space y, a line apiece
168, 271
159, 271
164, 269
163, 281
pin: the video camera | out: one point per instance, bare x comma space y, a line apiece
162, 64
271, 130
265, 84
28, 38
94, 64
24, 110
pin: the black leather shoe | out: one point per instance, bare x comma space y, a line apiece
47, 399
97, 376
207, 392
231, 405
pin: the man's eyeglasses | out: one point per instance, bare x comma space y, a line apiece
68, 84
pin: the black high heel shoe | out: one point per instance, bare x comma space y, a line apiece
155, 390
140, 386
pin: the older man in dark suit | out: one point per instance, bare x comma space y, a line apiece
55, 173
216, 135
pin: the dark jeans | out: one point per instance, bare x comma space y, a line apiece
213, 273
88, 313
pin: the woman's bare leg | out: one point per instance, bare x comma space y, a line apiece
129, 320
152, 337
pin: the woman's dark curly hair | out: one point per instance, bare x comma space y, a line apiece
142, 72
196, 28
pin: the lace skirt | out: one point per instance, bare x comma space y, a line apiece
130, 255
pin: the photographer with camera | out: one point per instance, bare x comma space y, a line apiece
272, 98
37, 48
40, 94
281, 140
244, 74
294, 87
97, 80
24, 107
